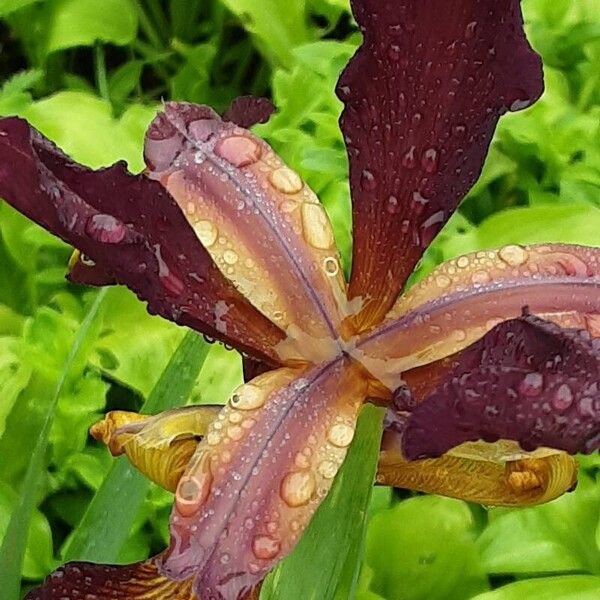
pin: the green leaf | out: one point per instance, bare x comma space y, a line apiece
106, 524
556, 537
9, 6
13, 545
326, 561
423, 549
81, 23
569, 587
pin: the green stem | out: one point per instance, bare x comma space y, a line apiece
160, 20
147, 27
100, 69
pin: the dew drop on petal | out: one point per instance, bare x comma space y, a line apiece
192, 492
207, 233
297, 488
392, 204
367, 181
238, 150
470, 30
394, 52
315, 223
331, 266
285, 180
532, 384
105, 229
340, 435
480, 277
265, 547
230, 257
443, 281
247, 397
563, 397
429, 160
408, 160
327, 469
513, 255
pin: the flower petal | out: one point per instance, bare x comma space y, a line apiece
140, 581
260, 473
422, 98
490, 474
264, 228
464, 298
527, 380
131, 228
160, 446
247, 111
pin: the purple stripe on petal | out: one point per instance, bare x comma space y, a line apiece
527, 380
422, 98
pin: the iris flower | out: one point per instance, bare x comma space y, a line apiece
489, 367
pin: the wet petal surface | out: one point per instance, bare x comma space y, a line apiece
422, 98
260, 473
134, 232
466, 297
527, 380
264, 228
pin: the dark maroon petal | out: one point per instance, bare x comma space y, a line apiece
247, 111
253, 368
422, 98
139, 581
84, 271
526, 380
134, 232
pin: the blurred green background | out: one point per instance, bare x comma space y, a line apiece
90, 74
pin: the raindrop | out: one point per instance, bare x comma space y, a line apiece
105, 229
367, 181
430, 228
230, 257
513, 255
238, 150
532, 384
394, 52
297, 488
480, 277
392, 204
265, 547
331, 266
470, 30
443, 281
86, 260
563, 398
285, 180
417, 118
327, 469
192, 493
429, 160
340, 435
247, 397
408, 160
317, 231
207, 233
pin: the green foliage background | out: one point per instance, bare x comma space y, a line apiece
90, 75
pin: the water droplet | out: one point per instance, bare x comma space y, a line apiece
430, 228
394, 52
238, 150
417, 118
462, 262
331, 266
225, 558
429, 160
408, 160
532, 385
563, 397
470, 30
392, 204
513, 255
86, 260
519, 105
459, 129
459, 335
317, 230
207, 233
340, 435
419, 201
327, 469
230, 257
367, 181
105, 229
480, 277
265, 547
345, 91
213, 438
202, 129
192, 492
285, 180
443, 281
302, 461
297, 488
247, 397
235, 432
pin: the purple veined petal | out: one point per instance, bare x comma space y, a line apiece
135, 234
526, 380
247, 111
260, 473
264, 228
466, 297
422, 97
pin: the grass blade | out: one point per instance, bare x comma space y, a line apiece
325, 564
103, 529
15, 539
